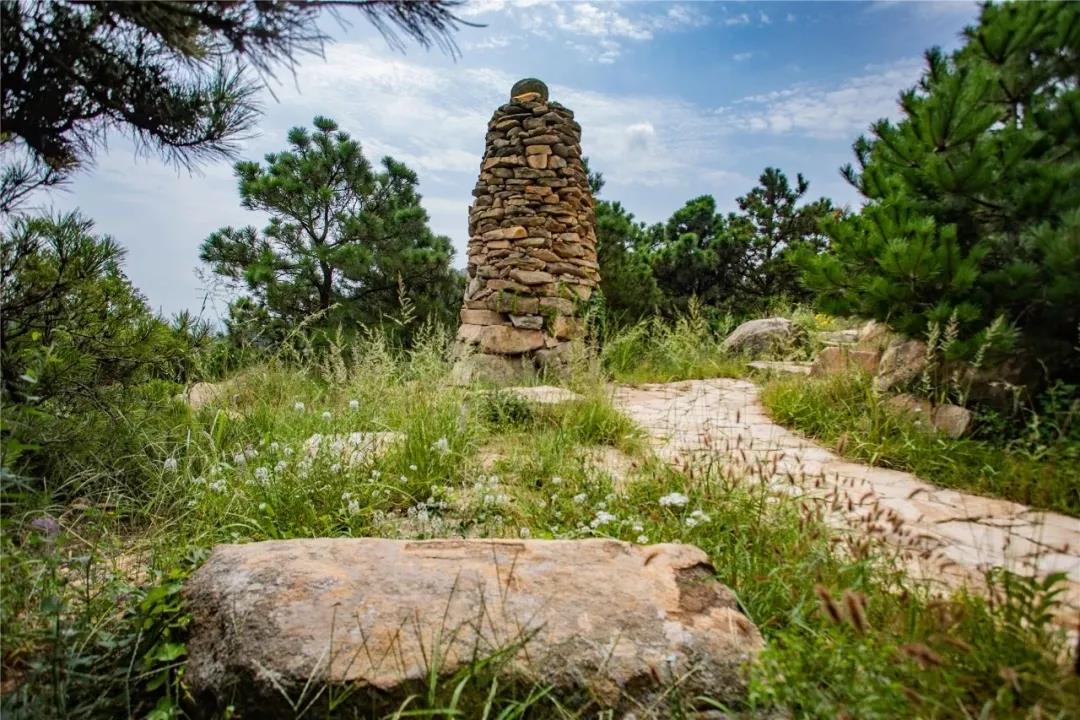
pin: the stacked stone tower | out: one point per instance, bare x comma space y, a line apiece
532, 247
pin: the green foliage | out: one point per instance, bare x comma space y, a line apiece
735, 264
344, 241
81, 638
502, 408
1040, 468
84, 361
694, 256
662, 350
627, 283
972, 196
773, 228
181, 77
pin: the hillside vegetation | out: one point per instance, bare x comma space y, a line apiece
325, 404
93, 624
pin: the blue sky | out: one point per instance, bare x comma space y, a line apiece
675, 100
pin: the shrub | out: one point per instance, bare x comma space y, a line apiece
86, 367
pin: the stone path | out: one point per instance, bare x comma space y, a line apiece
946, 536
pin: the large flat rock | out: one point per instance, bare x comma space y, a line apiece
599, 619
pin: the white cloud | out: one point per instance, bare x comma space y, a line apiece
742, 57
588, 19
474, 8
640, 136
492, 42
826, 112
764, 18
596, 30
433, 118
740, 19
666, 145
928, 9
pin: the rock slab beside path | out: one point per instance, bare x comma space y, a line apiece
595, 619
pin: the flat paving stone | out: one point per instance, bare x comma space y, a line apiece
544, 394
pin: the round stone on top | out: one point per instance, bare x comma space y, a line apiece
529, 90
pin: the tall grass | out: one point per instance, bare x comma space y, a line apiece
843, 411
658, 350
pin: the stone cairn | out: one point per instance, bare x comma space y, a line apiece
532, 247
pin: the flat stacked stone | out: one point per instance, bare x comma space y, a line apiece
532, 248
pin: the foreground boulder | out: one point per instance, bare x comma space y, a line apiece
762, 337
600, 621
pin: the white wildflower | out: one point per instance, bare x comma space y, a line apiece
413, 468
696, 518
354, 404
674, 499
281, 466
170, 465
262, 475
288, 451
275, 446
642, 539
346, 496
441, 446
580, 498
239, 459
198, 481
354, 507
602, 518
262, 507
637, 527
556, 480
524, 533
218, 486
326, 415
250, 453
335, 468
298, 406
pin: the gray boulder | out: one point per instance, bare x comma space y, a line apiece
368, 620
762, 337
901, 363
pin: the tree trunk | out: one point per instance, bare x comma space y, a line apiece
325, 285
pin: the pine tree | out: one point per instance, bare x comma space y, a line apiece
626, 279
180, 77
694, 255
342, 236
742, 262
972, 195
773, 227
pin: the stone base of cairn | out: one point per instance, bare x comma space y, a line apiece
532, 248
